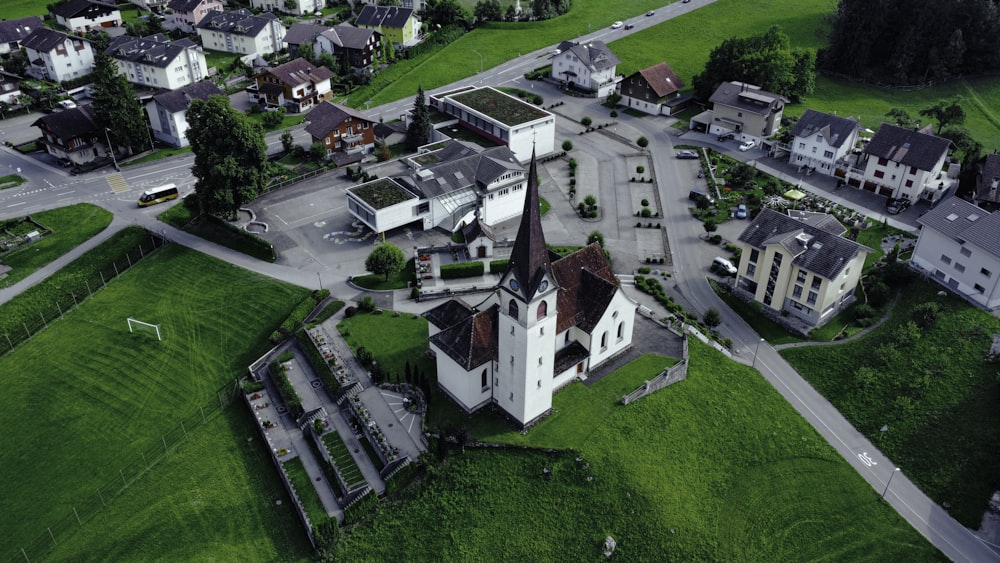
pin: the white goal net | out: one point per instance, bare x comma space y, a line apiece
139, 326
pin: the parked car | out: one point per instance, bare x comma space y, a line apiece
897, 206
726, 136
629, 26
723, 266
687, 155
741, 211
650, 13
747, 145
616, 25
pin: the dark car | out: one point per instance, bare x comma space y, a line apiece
629, 26
897, 206
726, 136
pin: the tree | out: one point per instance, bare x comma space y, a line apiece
230, 156
389, 50
317, 151
418, 133
382, 152
116, 106
511, 14
901, 117
643, 142
946, 113
488, 11
287, 141
596, 236
387, 259
712, 318
99, 40
307, 52
442, 13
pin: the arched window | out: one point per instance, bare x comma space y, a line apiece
621, 330
604, 340
543, 310
512, 309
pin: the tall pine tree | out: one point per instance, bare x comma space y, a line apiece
418, 133
117, 108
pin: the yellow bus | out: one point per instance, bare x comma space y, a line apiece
158, 195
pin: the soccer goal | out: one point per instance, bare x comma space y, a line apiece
134, 325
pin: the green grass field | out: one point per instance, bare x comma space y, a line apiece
718, 467
84, 398
393, 341
13, 9
70, 227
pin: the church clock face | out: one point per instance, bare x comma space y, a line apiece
514, 285
543, 286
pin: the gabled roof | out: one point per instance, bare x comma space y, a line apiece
177, 100
477, 229
152, 50
747, 97
473, 341
299, 71
960, 220
989, 176
348, 36
43, 39
449, 313
586, 286
69, 123
461, 167
300, 33
835, 130
184, 6
383, 130
661, 78
237, 22
529, 259
817, 250
328, 116
595, 55
74, 8
919, 149
383, 16
16, 30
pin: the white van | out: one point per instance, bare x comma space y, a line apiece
723, 266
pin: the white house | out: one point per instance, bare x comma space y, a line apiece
155, 6
55, 56
158, 62
186, 14
10, 88
742, 110
519, 125
958, 247
903, 163
73, 134
550, 322
167, 111
87, 15
297, 7
589, 66
821, 140
12, 32
241, 32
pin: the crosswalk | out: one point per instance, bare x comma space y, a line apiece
117, 183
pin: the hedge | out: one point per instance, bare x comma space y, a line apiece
318, 363
264, 247
498, 266
285, 389
463, 270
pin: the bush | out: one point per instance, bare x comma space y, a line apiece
640, 169
463, 270
586, 121
643, 270
712, 318
567, 145
645, 202
285, 389
643, 142
318, 363
350, 312
498, 266
646, 212
367, 304
614, 113
715, 239
926, 314
262, 248
415, 293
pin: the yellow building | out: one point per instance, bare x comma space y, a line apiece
396, 24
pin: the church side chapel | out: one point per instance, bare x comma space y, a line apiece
550, 321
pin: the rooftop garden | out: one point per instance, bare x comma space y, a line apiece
506, 109
381, 193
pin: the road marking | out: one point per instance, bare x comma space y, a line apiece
117, 183
865, 459
64, 193
16, 204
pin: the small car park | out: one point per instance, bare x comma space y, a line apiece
616, 25
747, 145
741, 211
687, 154
723, 266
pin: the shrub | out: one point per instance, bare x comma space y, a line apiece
415, 293
322, 368
878, 293
926, 314
614, 113
643, 270
646, 212
640, 169
567, 145
645, 202
586, 121
463, 270
715, 239
638, 224
643, 142
863, 311
712, 318
498, 266
285, 389
350, 312
367, 304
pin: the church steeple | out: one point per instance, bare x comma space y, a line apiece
529, 261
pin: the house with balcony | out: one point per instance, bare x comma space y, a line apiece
589, 66
654, 90
342, 130
821, 141
355, 46
294, 7
394, 23
80, 16
167, 111
73, 134
296, 86
902, 163
185, 15
801, 267
157, 62
241, 32
12, 32
959, 248
744, 111
55, 56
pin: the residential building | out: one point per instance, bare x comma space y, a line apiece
87, 15
73, 134
241, 32
299, 34
296, 7
296, 85
903, 163
55, 56
503, 118
396, 24
10, 88
354, 46
416, 5
167, 111
988, 181
185, 15
742, 110
654, 90
549, 322
959, 247
341, 129
588, 66
12, 32
800, 267
158, 62
155, 6
821, 141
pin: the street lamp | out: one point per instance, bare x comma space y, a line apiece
889, 482
480, 60
319, 275
111, 149
754, 364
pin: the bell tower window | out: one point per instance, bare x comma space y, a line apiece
512, 308
543, 310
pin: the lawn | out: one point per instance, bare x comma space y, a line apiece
377, 282
305, 490
70, 227
157, 155
14, 9
181, 217
931, 387
84, 398
11, 181
718, 467
393, 341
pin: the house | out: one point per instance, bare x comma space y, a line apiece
87, 15
654, 90
185, 15
959, 248
158, 62
588, 66
341, 129
240, 31
988, 181
295, 7
55, 56
446, 187
396, 24
296, 85
12, 32
742, 110
167, 111
549, 322
155, 6
353, 46
801, 267
10, 88
416, 5
903, 163
299, 34
503, 118
73, 134
820, 141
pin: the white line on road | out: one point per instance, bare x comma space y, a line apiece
64, 193
16, 204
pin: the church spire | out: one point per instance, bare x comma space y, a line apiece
529, 261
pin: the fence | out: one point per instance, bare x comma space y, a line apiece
290, 181
83, 510
669, 376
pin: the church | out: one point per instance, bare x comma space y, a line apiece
550, 321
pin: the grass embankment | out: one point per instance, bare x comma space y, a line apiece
934, 390
718, 467
11, 181
182, 217
70, 227
85, 398
377, 282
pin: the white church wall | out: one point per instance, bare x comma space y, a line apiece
606, 340
465, 387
